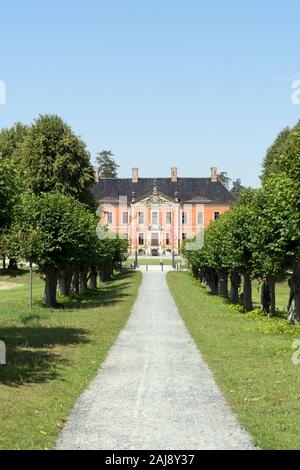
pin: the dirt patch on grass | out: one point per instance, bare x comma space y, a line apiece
8, 285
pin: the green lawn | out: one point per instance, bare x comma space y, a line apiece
53, 354
250, 357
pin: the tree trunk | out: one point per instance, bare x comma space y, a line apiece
268, 303
111, 270
203, 277
272, 288
65, 280
195, 272
93, 278
51, 277
75, 280
3, 262
294, 300
30, 286
265, 298
83, 279
207, 279
106, 272
235, 281
223, 284
212, 281
12, 265
247, 292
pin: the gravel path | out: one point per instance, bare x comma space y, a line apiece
154, 390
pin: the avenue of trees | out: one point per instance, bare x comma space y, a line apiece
47, 211
259, 237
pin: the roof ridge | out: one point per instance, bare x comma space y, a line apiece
187, 187
157, 178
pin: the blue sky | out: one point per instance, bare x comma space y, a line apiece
162, 83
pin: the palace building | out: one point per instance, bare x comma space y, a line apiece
157, 214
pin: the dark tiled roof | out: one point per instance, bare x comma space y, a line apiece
200, 190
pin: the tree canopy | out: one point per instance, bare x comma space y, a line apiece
107, 166
55, 159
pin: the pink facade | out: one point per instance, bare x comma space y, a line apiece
155, 222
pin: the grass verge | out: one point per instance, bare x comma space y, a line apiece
251, 359
52, 355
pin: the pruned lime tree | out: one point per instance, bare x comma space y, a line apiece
52, 231
282, 186
259, 237
227, 254
10, 182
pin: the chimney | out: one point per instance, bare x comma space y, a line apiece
174, 174
214, 174
135, 175
97, 176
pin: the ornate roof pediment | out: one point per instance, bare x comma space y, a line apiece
154, 198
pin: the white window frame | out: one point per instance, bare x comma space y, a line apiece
168, 222
141, 214
200, 213
157, 217
127, 217
182, 217
109, 214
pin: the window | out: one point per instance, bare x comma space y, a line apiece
184, 236
125, 218
168, 218
216, 215
167, 239
184, 217
154, 217
141, 239
200, 218
109, 218
141, 218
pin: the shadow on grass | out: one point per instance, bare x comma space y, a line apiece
106, 294
27, 365
13, 273
28, 360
